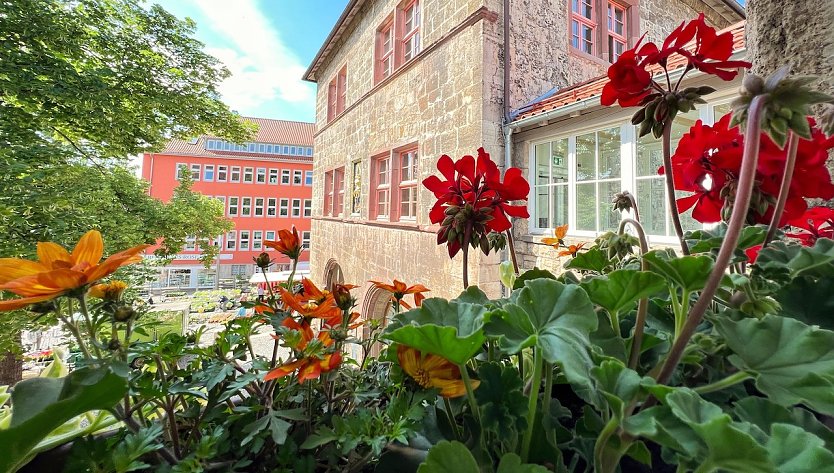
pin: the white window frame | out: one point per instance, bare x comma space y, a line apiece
308, 178
284, 208
206, 169
297, 177
245, 209
260, 176
257, 240
272, 207
231, 240
178, 168
242, 246
296, 208
259, 207
285, 177
308, 208
273, 176
234, 204
196, 168
232, 172
224, 170
247, 171
305, 240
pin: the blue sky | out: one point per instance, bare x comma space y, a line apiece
267, 45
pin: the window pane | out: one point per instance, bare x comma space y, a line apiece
721, 110
608, 218
687, 222
650, 150
542, 208
651, 200
586, 157
560, 205
586, 212
587, 39
587, 8
609, 153
559, 160
542, 164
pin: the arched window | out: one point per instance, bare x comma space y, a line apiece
332, 275
376, 306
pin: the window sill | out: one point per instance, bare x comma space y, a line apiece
590, 57
405, 225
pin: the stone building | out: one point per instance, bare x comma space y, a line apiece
402, 82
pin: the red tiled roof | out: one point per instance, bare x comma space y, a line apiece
269, 131
594, 87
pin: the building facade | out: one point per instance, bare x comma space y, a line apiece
265, 185
402, 82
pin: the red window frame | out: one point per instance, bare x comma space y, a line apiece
404, 36
614, 37
381, 179
407, 183
384, 34
390, 179
336, 94
328, 193
576, 17
338, 191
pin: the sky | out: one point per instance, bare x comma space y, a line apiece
266, 45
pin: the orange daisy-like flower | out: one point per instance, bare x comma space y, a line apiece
572, 250
110, 291
309, 367
399, 289
58, 271
312, 302
559, 240
288, 243
433, 371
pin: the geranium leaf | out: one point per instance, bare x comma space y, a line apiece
472, 295
809, 300
530, 275
453, 330
501, 400
763, 414
554, 318
794, 362
447, 457
816, 260
794, 450
619, 289
592, 260
511, 463
617, 384
703, 241
688, 272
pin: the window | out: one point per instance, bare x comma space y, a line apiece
195, 172
574, 177
261, 176
231, 240
308, 178
309, 151
257, 240
218, 242
235, 177
222, 173
381, 198
273, 176
411, 30
582, 25
284, 208
259, 206
233, 204
292, 150
246, 207
269, 235
248, 175
305, 240
336, 95
285, 177
334, 192
190, 243
239, 269
271, 205
356, 188
180, 170
244, 240
297, 177
296, 207
602, 28
328, 193
286, 149
208, 172
385, 50
222, 200
308, 208
408, 184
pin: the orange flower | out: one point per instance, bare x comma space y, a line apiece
311, 366
399, 290
336, 321
572, 250
312, 302
288, 243
433, 371
559, 233
59, 271
111, 291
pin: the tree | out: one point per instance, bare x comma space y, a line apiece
84, 85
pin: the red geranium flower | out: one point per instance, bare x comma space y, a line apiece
629, 82
815, 223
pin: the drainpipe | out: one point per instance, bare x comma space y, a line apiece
508, 131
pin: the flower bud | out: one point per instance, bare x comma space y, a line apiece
114, 345
263, 261
341, 294
44, 307
123, 313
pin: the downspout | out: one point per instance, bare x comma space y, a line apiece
508, 131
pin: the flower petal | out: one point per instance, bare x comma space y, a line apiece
15, 268
51, 254
14, 304
115, 262
89, 249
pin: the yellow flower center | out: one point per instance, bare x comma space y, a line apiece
422, 377
310, 306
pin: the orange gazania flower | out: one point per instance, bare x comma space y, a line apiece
559, 233
433, 371
288, 243
572, 250
58, 271
399, 290
313, 302
110, 291
311, 366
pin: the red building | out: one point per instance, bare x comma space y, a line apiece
265, 185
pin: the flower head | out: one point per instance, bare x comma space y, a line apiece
58, 271
628, 81
288, 243
399, 290
110, 291
572, 250
312, 360
559, 237
311, 302
433, 371
815, 223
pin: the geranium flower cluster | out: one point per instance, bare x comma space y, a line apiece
472, 201
707, 163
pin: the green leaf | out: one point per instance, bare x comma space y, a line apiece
506, 273
501, 400
453, 330
511, 463
763, 414
619, 289
809, 300
815, 260
794, 362
703, 241
618, 384
592, 260
472, 295
687, 272
530, 275
41, 405
552, 317
448, 457
794, 450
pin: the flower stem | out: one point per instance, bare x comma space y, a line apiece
532, 404
466, 237
511, 247
670, 184
615, 323
451, 417
548, 389
731, 380
470, 393
643, 305
82, 300
784, 190
734, 228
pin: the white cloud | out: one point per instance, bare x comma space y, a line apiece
263, 67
